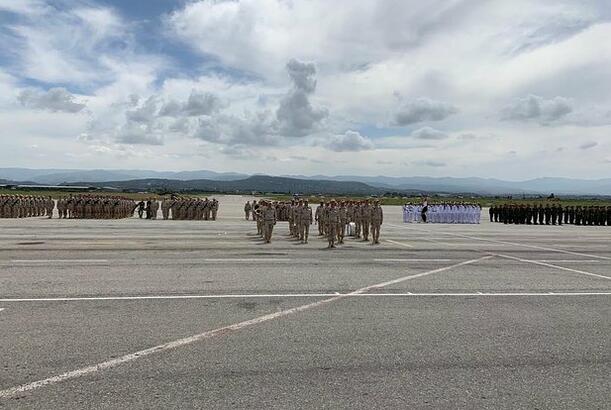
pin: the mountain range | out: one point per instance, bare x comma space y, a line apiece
255, 183
67, 176
229, 182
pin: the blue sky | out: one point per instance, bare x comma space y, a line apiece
507, 89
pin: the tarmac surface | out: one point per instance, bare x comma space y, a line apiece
196, 314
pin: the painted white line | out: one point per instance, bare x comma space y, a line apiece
549, 265
437, 241
406, 245
413, 260
509, 243
181, 261
209, 334
1, 309
46, 261
170, 297
302, 295
419, 275
536, 262
449, 260
231, 260
567, 260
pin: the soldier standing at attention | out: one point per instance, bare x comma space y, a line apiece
290, 218
357, 219
165, 208
148, 209
305, 220
247, 209
332, 219
50, 205
296, 218
61, 208
529, 214
325, 217
296, 211
554, 212
269, 220
578, 215
317, 216
343, 221
206, 214
214, 208
548, 214
154, 208
259, 217
377, 218
365, 219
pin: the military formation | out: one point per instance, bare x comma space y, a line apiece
444, 213
24, 206
335, 219
95, 207
107, 207
195, 209
550, 214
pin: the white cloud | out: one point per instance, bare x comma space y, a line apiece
138, 134
82, 44
28, 7
284, 75
351, 141
428, 133
197, 104
422, 109
239, 151
55, 100
259, 35
536, 108
588, 145
430, 163
144, 114
296, 115
252, 129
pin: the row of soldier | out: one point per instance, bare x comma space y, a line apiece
444, 213
334, 219
107, 207
553, 214
189, 209
95, 207
25, 206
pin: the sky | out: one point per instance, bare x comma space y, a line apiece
510, 89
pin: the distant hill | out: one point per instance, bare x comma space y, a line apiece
63, 176
210, 179
258, 183
9, 182
482, 186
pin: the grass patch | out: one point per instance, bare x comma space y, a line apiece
483, 201
137, 196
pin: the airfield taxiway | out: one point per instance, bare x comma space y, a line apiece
193, 314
